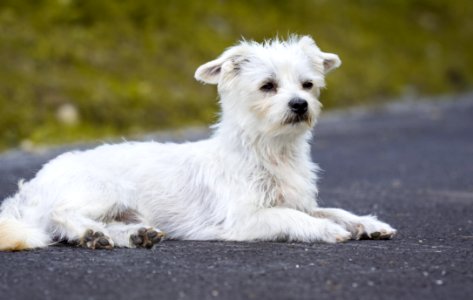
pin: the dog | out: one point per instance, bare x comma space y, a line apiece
253, 179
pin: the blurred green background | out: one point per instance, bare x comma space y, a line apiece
86, 69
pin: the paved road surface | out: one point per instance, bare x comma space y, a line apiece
411, 164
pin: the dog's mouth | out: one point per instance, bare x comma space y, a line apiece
294, 119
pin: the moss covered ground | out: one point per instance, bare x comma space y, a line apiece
86, 69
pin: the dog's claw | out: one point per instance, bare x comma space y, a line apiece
151, 234
136, 239
103, 242
375, 235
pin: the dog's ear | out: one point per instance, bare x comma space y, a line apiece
212, 71
329, 61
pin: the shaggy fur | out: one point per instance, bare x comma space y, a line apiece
252, 180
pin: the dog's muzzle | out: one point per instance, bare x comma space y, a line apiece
298, 107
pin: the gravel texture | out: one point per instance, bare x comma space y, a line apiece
409, 163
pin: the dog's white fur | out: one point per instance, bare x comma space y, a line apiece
252, 180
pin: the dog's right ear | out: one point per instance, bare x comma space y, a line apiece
212, 71
324, 62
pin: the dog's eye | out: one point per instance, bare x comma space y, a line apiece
268, 87
307, 85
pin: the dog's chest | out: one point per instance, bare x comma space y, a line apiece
279, 187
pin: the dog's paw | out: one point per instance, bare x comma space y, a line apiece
95, 240
369, 227
334, 233
146, 237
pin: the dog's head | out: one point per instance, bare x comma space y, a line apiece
273, 87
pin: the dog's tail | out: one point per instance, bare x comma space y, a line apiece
15, 233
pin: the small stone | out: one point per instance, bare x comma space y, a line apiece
68, 114
439, 282
396, 183
27, 145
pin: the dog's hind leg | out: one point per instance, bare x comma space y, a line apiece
76, 228
134, 235
361, 227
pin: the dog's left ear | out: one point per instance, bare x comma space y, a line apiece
212, 71
329, 61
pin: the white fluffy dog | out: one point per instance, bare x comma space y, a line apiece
252, 180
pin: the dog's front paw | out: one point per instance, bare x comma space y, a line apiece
369, 227
95, 240
334, 233
146, 237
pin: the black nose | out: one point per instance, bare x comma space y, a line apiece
298, 106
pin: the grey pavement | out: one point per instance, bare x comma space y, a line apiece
409, 163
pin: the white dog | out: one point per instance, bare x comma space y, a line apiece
252, 180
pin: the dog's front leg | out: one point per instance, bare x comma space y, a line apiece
279, 223
360, 226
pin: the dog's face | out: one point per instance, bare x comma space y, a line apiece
271, 88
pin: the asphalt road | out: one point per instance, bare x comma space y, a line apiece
411, 164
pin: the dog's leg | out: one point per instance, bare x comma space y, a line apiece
134, 235
284, 223
361, 227
76, 228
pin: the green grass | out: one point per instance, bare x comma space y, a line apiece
127, 66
